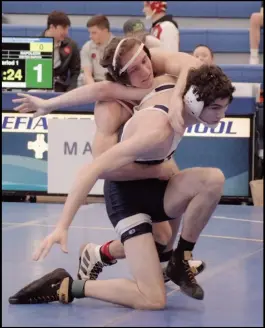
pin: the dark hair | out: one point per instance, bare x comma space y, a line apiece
58, 18
107, 59
100, 21
210, 84
204, 45
133, 25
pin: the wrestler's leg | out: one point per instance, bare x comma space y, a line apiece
146, 289
198, 204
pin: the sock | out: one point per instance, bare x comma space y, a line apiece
164, 258
160, 248
105, 255
78, 288
184, 245
254, 52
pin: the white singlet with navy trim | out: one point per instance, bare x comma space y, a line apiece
163, 109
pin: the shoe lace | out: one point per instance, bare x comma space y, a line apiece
189, 272
97, 269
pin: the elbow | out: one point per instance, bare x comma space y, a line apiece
105, 91
105, 176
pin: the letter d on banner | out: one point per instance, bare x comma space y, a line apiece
69, 148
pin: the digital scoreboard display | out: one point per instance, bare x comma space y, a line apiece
27, 63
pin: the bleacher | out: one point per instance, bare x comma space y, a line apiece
216, 9
223, 26
230, 44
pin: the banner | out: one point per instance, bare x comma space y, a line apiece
70, 147
25, 150
26, 147
226, 147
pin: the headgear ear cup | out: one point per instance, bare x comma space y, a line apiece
194, 106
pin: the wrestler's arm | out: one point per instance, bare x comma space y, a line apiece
104, 90
119, 155
174, 63
178, 64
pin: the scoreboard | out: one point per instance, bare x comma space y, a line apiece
27, 63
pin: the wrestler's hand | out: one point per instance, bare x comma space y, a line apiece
31, 104
167, 170
59, 236
175, 115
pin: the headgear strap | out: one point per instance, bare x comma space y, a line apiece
114, 61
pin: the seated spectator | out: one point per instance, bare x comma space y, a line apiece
163, 26
5, 20
92, 51
256, 22
204, 54
135, 28
66, 52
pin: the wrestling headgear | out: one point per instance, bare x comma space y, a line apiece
195, 107
157, 7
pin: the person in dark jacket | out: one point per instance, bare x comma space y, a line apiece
66, 52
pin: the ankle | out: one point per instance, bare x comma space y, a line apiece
77, 289
104, 252
185, 245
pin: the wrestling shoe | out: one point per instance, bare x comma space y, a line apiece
54, 286
182, 274
197, 266
90, 262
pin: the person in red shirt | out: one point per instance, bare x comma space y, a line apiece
163, 26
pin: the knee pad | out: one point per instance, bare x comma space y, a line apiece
134, 225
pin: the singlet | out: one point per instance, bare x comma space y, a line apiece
164, 109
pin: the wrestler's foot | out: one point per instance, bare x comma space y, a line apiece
90, 262
180, 272
54, 286
197, 266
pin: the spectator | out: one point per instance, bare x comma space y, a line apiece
5, 20
163, 26
135, 27
204, 54
256, 22
92, 51
66, 52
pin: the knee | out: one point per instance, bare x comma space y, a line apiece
162, 232
255, 19
214, 179
157, 304
153, 301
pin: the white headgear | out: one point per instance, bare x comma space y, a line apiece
194, 106
114, 61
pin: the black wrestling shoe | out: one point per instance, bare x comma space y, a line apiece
182, 274
54, 286
197, 267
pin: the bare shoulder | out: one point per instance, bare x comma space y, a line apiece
109, 116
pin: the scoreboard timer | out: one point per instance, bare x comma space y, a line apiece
27, 63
